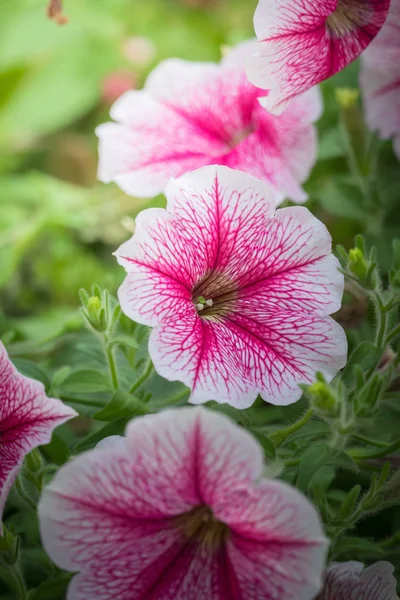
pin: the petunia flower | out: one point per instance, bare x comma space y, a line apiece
380, 79
237, 293
351, 581
303, 42
190, 115
27, 420
182, 512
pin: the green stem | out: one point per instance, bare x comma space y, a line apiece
23, 495
147, 372
279, 437
177, 398
393, 333
366, 440
18, 580
112, 365
359, 455
382, 317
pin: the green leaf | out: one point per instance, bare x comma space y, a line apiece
57, 451
30, 369
341, 197
348, 505
265, 442
350, 547
121, 406
114, 428
124, 340
86, 381
366, 355
314, 457
53, 589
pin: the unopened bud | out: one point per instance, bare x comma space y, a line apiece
323, 399
347, 97
357, 263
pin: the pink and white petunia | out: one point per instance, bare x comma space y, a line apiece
27, 420
303, 42
181, 512
190, 115
237, 293
380, 79
351, 581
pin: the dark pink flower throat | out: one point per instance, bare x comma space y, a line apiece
214, 295
349, 16
201, 526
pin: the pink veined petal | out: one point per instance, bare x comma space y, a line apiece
349, 580
381, 96
380, 79
138, 154
27, 420
98, 514
238, 357
207, 358
290, 268
277, 547
217, 455
109, 511
195, 573
218, 207
299, 47
190, 115
171, 250
163, 264
383, 52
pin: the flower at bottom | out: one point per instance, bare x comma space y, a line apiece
181, 512
380, 79
238, 293
27, 420
350, 581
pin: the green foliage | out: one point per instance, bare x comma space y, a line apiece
59, 227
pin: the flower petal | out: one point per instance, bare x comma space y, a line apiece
291, 268
190, 115
277, 547
300, 47
27, 420
380, 79
197, 444
349, 580
238, 357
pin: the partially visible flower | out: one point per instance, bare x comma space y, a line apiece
380, 79
117, 83
237, 293
351, 581
139, 50
190, 115
27, 420
303, 42
182, 512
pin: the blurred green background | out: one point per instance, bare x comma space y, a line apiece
58, 226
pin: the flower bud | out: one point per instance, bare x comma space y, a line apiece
347, 97
323, 399
357, 263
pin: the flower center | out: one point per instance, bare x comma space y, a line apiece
200, 525
349, 16
214, 295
